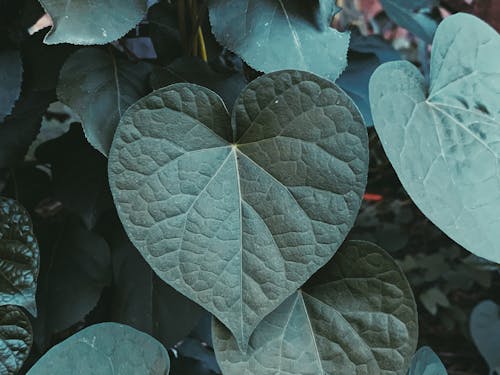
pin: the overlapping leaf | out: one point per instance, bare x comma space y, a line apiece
19, 256
275, 34
105, 349
16, 337
87, 22
100, 87
238, 226
444, 141
356, 315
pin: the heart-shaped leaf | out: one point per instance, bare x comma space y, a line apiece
105, 349
485, 331
100, 87
357, 315
444, 142
275, 34
11, 76
238, 227
16, 338
426, 362
86, 22
19, 256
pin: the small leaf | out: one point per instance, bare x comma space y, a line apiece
485, 331
84, 22
11, 76
19, 256
100, 87
105, 349
238, 227
413, 15
16, 337
356, 315
432, 298
426, 362
272, 35
444, 141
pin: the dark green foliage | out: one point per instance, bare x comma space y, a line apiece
195, 229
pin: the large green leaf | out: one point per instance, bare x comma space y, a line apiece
426, 362
87, 22
275, 34
19, 256
100, 87
444, 141
485, 331
357, 315
413, 15
11, 76
238, 227
105, 349
16, 337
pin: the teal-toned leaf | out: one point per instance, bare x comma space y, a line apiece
16, 337
76, 266
99, 87
105, 349
239, 226
357, 315
226, 84
485, 331
275, 34
143, 301
413, 15
426, 362
19, 256
444, 141
86, 22
11, 76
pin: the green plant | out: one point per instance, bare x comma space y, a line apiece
195, 206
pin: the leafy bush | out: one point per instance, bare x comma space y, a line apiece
187, 195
